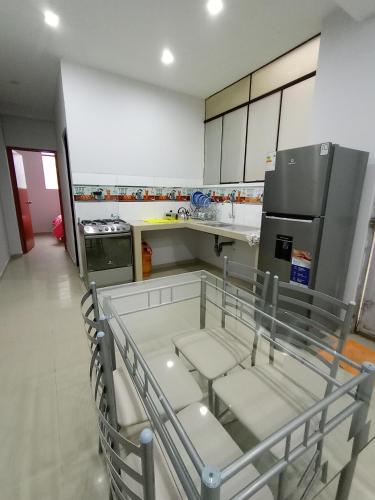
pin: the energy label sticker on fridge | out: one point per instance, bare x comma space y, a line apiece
270, 162
300, 269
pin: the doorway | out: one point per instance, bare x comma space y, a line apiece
37, 194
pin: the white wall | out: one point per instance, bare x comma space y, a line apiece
24, 133
128, 211
45, 204
28, 133
122, 128
4, 249
7, 201
244, 214
123, 131
63, 173
345, 109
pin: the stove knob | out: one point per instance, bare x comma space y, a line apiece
106, 228
113, 228
100, 229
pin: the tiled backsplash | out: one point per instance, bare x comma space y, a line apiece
242, 194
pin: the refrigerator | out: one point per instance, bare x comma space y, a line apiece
310, 208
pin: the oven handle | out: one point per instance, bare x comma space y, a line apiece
107, 235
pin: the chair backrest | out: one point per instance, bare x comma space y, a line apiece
259, 284
257, 279
91, 315
315, 315
93, 321
128, 478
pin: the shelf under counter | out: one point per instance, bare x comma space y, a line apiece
226, 230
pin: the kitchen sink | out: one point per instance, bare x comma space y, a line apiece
231, 227
216, 223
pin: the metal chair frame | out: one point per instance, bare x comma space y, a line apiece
326, 316
320, 315
259, 284
359, 388
112, 442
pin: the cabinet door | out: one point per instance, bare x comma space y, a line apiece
212, 151
296, 115
229, 98
261, 135
233, 146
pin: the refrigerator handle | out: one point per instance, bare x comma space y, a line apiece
308, 221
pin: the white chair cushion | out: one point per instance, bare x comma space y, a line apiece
264, 399
166, 487
212, 352
178, 385
128, 405
216, 447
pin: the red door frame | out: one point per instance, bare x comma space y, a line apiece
13, 179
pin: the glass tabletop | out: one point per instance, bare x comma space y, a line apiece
235, 386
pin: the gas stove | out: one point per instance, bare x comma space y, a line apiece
106, 251
104, 226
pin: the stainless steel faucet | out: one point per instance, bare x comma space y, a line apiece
232, 200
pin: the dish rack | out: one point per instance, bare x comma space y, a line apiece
201, 207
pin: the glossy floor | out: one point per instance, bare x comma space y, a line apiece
47, 420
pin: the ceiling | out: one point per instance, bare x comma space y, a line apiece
127, 37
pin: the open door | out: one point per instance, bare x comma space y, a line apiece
22, 201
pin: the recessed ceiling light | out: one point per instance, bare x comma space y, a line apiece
214, 6
51, 18
167, 57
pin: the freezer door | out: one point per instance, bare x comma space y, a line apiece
299, 183
289, 248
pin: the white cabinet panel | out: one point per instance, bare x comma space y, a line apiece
296, 115
261, 135
212, 151
297, 63
233, 146
230, 97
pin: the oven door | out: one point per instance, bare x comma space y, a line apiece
110, 251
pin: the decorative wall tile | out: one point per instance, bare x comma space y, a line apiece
220, 193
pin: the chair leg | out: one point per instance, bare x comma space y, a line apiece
176, 350
100, 449
210, 396
216, 405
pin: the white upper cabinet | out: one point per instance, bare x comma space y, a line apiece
233, 145
288, 68
212, 151
261, 135
296, 115
228, 98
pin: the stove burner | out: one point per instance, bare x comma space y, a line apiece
105, 226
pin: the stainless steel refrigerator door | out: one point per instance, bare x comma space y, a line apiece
299, 183
289, 248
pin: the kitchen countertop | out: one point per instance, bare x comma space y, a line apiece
234, 231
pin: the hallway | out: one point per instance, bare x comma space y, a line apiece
47, 422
